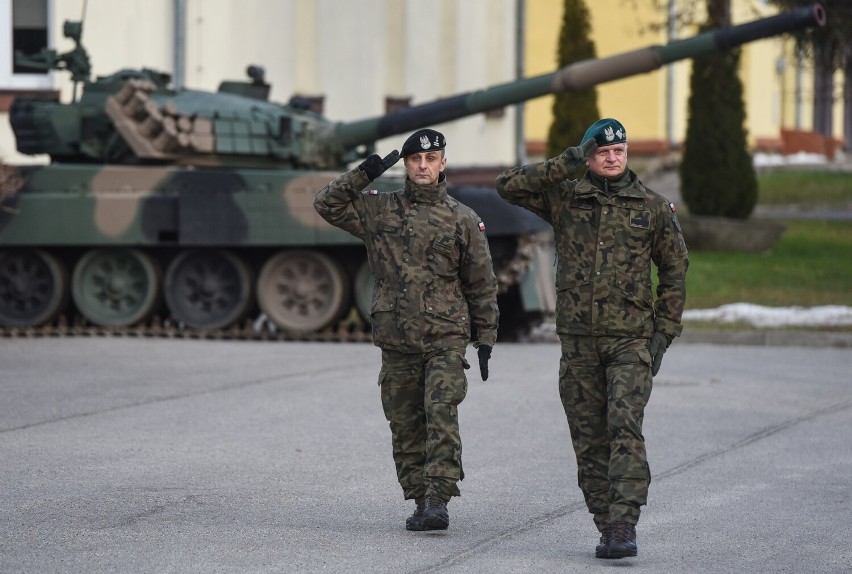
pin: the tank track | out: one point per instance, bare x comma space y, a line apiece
351, 329
259, 329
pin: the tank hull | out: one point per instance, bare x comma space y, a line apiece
214, 248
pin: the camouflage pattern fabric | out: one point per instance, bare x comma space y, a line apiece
604, 384
430, 259
420, 397
609, 234
433, 281
606, 241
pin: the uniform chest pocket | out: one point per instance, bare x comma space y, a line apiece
443, 255
640, 218
387, 227
444, 244
580, 211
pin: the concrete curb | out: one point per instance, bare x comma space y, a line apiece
835, 339
768, 338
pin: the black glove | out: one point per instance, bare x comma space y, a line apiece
659, 343
484, 352
374, 166
578, 154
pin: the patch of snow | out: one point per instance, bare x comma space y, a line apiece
798, 158
762, 316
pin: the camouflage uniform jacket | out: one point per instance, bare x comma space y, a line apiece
430, 259
605, 244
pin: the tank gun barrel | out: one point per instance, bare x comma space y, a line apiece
577, 76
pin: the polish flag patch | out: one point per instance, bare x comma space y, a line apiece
672, 207
373, 192
481, 226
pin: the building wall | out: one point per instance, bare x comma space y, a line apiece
355, 54
640, 102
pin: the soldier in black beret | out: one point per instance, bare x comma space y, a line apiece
435, 288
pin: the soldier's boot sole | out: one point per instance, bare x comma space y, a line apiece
620, 549
435, 519
415, 523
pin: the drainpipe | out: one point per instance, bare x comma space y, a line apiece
179, 76
670, 76
798, 105
520, 143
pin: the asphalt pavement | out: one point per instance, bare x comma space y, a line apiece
157, 455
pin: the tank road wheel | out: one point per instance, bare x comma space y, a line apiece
364, 281
32, 287
302, 291
115, 287
208, 289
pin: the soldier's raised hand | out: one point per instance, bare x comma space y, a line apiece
374, 166
576, 155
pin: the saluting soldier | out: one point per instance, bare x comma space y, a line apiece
434, 281
609, 230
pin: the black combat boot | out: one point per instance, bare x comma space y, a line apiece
623, 541
415, 521
602, 549
435, 517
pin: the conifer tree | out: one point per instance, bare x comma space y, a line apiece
573, 112
717, 172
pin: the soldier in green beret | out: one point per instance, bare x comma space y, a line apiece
433, 281
610, 230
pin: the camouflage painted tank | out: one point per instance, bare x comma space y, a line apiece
196, 207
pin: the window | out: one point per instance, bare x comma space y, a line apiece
27, 20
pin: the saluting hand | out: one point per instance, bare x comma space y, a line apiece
374, 166
578, 154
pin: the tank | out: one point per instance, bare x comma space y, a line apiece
169, 211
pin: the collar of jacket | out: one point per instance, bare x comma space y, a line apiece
427, 193
625, 185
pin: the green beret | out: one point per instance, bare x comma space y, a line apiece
607, 131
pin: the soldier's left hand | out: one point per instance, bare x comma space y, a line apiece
484, 353
659, 343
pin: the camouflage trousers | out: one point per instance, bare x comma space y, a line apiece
604, 384
420, 397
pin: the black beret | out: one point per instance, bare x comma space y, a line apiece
423, 140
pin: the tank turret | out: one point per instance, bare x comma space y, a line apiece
192, 212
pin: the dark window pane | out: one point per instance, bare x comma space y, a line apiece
29, 31
29, 41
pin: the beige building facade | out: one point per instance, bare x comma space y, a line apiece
778, 87
352, 55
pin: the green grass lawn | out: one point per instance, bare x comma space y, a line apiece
805, 187
810, 265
